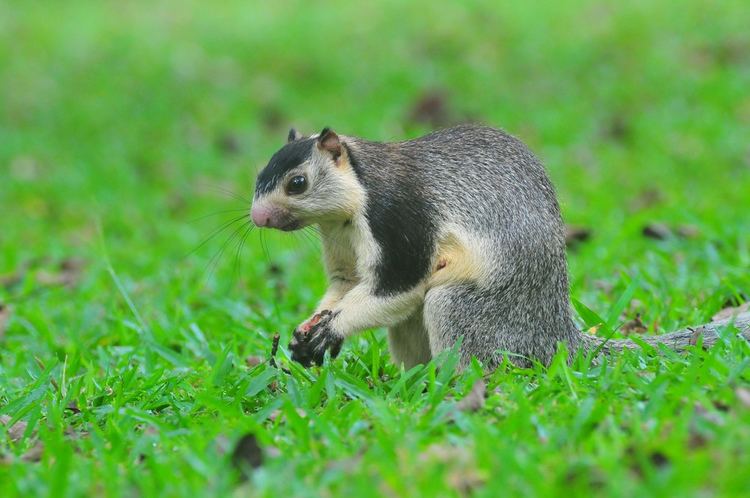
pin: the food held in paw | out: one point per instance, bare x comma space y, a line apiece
312, 322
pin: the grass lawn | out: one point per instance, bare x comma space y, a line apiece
132, 356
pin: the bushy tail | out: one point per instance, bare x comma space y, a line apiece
679, 340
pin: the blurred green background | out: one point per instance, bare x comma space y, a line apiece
129, 131
131, 115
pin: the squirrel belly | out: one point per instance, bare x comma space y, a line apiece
456, 235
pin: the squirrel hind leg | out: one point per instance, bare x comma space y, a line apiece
463, 312
408, 341
447, 321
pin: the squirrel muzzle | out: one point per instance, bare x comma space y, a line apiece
269, 216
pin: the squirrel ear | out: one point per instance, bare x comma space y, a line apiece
329, 141
293, 135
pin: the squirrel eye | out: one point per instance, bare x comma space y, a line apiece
296, 185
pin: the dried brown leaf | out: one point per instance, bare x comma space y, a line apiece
743, 395
445, 453
228, 144
634, 326
275, 415
647, 198
272, 117
34, 453
347, 465
36, 450
661, 231
656, 458
465, 481
15, 431
657, 231
247, 454
699, 436
696, 439
222, 445
618, 128
711, 417
474, 400
10, 280
687, 231
463, 473
253, 361
604, 285
575, 235
4, 319
67, 273
431, 109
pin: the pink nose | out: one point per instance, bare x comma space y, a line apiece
261, 215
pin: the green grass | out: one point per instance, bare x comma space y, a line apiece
120, 125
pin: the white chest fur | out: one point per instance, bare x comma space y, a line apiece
350, 251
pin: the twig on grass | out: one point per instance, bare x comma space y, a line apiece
274, 350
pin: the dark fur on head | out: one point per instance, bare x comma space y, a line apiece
288, 157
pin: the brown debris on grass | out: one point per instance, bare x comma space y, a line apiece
4, 319
656, 231
634, 326
575, 235
662, 231
474, 400
247, 455
274, 349
432, 109
67, 273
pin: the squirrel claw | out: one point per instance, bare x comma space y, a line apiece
313, 338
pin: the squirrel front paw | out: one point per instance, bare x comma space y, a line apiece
313, 338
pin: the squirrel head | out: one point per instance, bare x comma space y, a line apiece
309, 180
